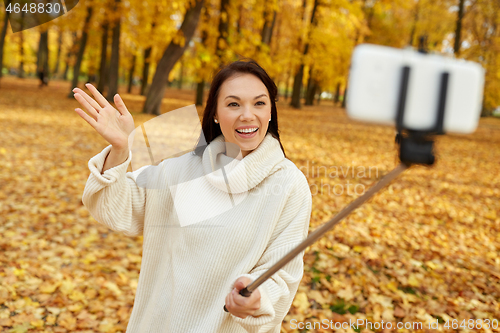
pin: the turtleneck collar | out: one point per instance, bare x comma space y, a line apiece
237, 176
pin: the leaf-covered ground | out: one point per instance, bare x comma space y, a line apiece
425, 248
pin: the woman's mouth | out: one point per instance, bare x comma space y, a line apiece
246, 133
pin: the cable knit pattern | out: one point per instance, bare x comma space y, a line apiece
206, 221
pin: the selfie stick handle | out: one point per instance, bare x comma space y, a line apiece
318, 233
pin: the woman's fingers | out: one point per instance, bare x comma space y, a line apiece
120, 105
86, 105
250, 304
231, 305
103, 102
89, 99
86, 117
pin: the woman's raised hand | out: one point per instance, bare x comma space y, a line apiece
112, 124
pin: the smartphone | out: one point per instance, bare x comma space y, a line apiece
375, 82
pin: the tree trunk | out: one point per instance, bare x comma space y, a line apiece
415, 21
70, 54
81, 51
172, 53
20, 74
223, 29
59, 48
145, 70
114, 64
278, 23
310, 88
239, 23
297, 83
337, 95
42, 65
103, 71
458, 29
311, 92
200, 86
3, 34
267, 30
287, 84
131, 74
318, 90
181, 75
297, 87
147, 57
21, 54
199, 92
344, 98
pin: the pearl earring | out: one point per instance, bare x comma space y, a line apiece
269, 119
216, 121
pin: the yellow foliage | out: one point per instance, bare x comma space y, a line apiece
424, 246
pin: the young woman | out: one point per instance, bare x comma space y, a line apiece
256, 208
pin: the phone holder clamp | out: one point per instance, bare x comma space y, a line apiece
416, 146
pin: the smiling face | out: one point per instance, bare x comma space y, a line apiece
243, 105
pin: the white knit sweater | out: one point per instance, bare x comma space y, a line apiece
202, 229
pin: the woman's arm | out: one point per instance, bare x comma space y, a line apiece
113, 197
277, 293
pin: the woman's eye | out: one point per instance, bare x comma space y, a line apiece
237, 103
233, 104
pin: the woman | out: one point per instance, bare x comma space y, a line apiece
257, 208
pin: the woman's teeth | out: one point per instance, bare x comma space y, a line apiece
249, 130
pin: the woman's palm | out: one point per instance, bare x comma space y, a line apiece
113, 125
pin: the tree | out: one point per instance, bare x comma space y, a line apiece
223, 30
481, 31
101, 84
172, 53
297, 82
20, 74
70, 54
148, 52
458, 29
131, 73
42, 66
267, 30
114, 65
181, 74
312, 88
145, 70
200, 86
81, 50
58, 57
3, 34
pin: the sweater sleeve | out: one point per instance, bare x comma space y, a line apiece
114, 198
278, 292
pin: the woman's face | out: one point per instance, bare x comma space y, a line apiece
243, 104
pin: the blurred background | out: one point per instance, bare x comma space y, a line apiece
423, 250
305, 46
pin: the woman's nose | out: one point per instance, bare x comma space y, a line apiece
247, 113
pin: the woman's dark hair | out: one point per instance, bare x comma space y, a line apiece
210, 129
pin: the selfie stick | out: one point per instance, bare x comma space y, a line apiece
415, 148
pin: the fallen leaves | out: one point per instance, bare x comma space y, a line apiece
426, 247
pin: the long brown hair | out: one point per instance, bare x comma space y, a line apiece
210, 129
